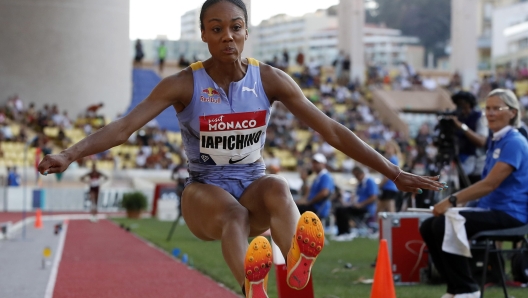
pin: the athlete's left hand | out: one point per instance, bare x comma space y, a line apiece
416, 184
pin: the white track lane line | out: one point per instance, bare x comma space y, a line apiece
55, 267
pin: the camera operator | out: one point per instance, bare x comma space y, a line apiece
472, 133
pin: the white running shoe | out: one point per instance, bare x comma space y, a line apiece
468, 295
447, 295
344, 237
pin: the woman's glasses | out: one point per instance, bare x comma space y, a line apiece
490, 110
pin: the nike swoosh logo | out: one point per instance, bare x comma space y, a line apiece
231, 161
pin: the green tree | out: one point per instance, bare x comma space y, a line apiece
429, 20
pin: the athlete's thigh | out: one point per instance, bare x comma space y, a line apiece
266, 195
206, 208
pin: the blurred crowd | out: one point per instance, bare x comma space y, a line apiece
329, 87
51, 130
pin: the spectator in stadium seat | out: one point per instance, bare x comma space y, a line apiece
389, 191
141, 159
22, 135
424, 137
91, 111
2, 116
300, 58
228, 196
424, 165
7, 133
31, 115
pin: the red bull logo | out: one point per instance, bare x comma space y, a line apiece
211, 92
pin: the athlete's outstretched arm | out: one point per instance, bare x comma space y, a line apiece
168, 92
280, 86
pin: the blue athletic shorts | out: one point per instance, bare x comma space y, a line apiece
233, 179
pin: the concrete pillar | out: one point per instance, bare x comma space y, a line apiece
351, 20
344, 22
72, 53
248, 46
464, 35
430, 60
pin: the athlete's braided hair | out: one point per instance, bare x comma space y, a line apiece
209, 3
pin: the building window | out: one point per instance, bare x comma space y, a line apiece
488, 11
523, 43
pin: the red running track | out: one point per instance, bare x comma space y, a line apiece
13, 217
103, 260
17, 216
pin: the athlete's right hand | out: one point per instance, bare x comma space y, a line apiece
53, 163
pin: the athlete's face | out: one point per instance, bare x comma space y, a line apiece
224, 30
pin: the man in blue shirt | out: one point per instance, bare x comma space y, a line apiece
322, 187
366, 197
13, 179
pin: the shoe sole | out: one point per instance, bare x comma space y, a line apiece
309, 237
257, 264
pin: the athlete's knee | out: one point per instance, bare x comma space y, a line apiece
235, 215
277, 188
276, 183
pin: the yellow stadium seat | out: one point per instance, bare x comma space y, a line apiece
18, 162
174, 137
19, 154
7, 146
19, 146
176, 159
73, 133
105, 165
340, 108
88, 163
521, 87
15, 129
9, 154
289, 163
51, 132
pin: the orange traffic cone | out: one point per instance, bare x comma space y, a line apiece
383, 286
38, 219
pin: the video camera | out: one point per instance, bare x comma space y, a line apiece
445, 138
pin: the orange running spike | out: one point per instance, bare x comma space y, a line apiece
307, 243
257, 264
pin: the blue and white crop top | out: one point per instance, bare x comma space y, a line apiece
218, 129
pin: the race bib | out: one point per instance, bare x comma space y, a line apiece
231, 138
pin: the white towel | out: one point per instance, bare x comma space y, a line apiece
455, 237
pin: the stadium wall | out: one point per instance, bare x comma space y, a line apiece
72, 53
